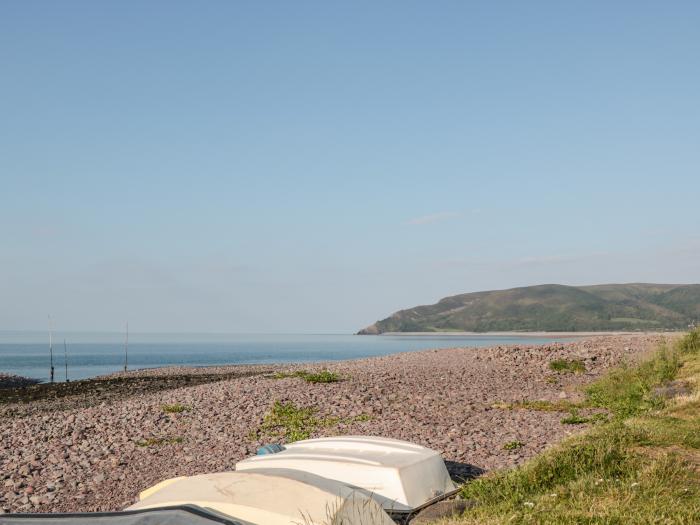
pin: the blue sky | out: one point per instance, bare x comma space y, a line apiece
314, 166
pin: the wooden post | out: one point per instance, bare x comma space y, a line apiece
65, 358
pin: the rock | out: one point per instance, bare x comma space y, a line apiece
441, 510
673, 389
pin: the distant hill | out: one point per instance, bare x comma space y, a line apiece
553, 308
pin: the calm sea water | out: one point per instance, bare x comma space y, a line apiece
24, 355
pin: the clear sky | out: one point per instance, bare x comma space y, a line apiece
313, 166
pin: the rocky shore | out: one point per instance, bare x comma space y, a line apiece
13, 381
93, 445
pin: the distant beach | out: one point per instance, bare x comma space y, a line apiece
548, 335
95, 354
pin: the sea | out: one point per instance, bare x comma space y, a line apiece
93, 354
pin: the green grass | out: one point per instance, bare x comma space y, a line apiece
540, 405
628, 390
642, 466
152, 442
513, 445
324, 376
293, 423
575, 419
569, 366
176, 408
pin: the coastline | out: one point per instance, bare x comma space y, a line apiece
552, 335
86, 451
88, 360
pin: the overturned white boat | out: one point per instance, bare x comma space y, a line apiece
348, 480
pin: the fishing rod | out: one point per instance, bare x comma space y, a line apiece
126, 348
65, 358
51, 348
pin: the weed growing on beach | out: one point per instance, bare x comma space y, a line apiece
151, 442
540, 405
176, 408
574, 419
513, 445
293, 423
324, 376
569, 366
290, 421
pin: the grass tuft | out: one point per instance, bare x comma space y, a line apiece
574, 419
293, 423
540, 405
513, 445
324, 376
176, 408
569, 366
152, 442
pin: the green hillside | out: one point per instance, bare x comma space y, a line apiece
553, 308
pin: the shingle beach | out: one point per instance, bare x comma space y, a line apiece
98, 448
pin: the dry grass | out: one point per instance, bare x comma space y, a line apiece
176, 408
159, 441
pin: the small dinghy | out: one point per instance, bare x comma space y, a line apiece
401, 476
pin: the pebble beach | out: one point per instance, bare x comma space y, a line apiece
94, 445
